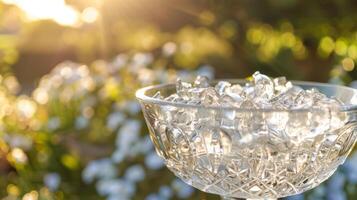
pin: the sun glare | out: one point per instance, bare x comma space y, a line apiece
89, 15
56, 10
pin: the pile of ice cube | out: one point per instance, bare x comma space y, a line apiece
260, 92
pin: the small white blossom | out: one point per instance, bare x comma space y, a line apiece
81, 122
337, 195
114, 120
133, 107
169, 49
19, 155
141, 60
119, 62
52, 181
54, 123
111, 187
165, 192
207, 71
153, 197
119, 155
153, 161
135, 173
296, 197
128, 133
103, 169
182, 189
18, 141
143, 146
336, 182
350, 167
118, 197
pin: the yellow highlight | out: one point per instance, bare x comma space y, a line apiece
13, 190
90, 15
40, 95
352, 51
70, 161
271, 42
26, 107
288, 39
341, 47
327, 45
228, 30
255, 36
348, 64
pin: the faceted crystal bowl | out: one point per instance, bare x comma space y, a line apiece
251, 153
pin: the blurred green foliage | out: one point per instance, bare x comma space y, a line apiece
303, 40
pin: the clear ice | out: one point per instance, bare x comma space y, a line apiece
261, 92
267, 138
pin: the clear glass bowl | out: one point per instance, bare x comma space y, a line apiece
251, 153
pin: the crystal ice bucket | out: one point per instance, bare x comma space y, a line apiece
251, 153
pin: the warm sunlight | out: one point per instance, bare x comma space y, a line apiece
56, 10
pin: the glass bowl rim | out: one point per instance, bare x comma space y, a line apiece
142, 97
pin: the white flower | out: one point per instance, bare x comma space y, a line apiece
81, 122
53, 123
89, 101
19, 155
103, 169
336, 195
350, 167
119, 62
182, 189
153, 197
128, 134
119, 155
114, 120
141, 60
26, 107
169, 48
144, 146
112, 187
184, 75
207, 71
296, 197
336, 182
165, 192
145, 76
52, 181
18, 141
153, 161
135, 173
133, 107
318, 192
118, 197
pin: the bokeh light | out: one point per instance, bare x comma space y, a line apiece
56, 10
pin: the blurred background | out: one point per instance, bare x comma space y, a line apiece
70, 127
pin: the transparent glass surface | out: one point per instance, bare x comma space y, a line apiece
251, 153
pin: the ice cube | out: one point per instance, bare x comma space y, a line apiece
222, 86
263, 86
235, 89
209, 97
201, 82
182, 89
281, 85
158, 95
